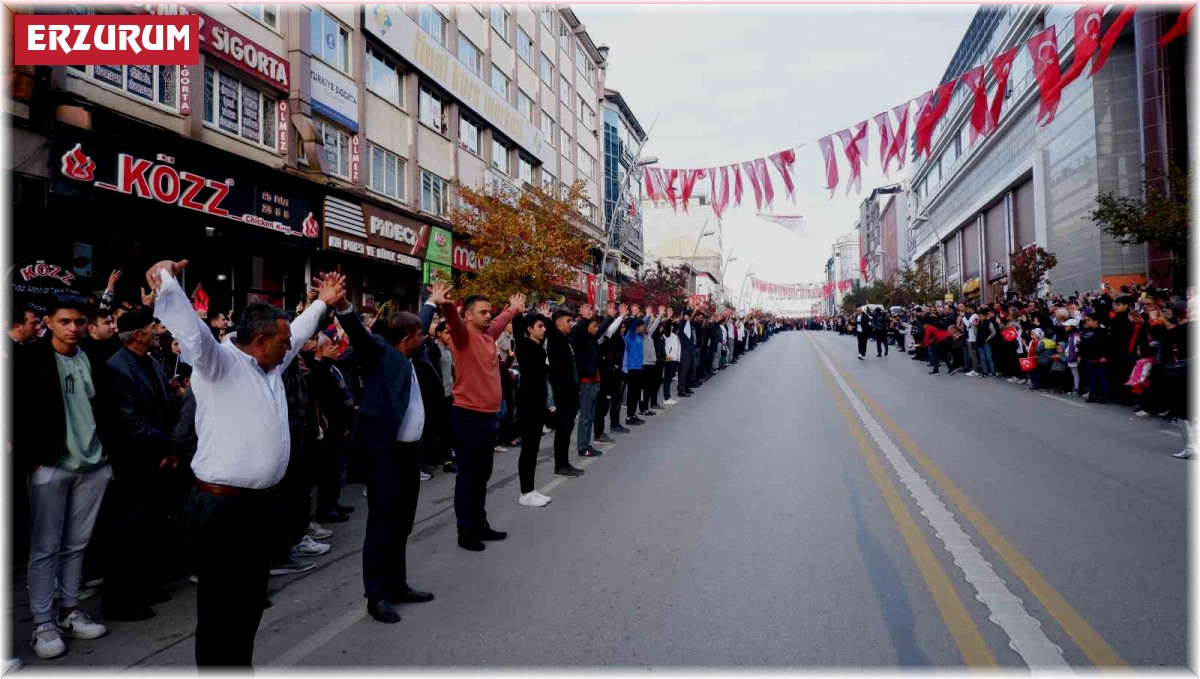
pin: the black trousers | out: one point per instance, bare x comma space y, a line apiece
393, 482
293, 498
566, 407
881, 342
233, 563
331, 462
473, 437
669, 369
862, 343
652, 376
135, 540
609, 403
533, 418
687, 361
633, 392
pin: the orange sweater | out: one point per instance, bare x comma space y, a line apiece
476, 364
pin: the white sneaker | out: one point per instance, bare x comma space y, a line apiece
318, 532
544, 497
1013, 380
972, 374
426, 477
499, 449
547, 430
47, 641
310, 547
532, 499
195, 580
78, 625
1183, 454
671, 402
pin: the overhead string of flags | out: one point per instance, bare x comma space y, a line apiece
675, 186
798, 290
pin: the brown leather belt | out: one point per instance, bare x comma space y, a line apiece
229, 491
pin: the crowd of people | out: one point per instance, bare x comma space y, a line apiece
1127, 347
175, 446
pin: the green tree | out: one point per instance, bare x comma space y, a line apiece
1160, 217
918, 286
1027, 269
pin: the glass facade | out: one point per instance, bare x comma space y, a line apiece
620, 148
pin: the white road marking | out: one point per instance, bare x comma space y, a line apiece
1007, 611
1060, 399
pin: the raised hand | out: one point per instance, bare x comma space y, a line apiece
148, 298
623, 309
611, 309
439, 293
173, 268
332, 289
637, 309
587, 311
312, 294
113, 278
544, 309
516, 303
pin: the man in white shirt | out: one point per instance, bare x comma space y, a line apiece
243, 450
971, 320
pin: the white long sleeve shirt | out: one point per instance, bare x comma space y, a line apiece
671, 347
241, 410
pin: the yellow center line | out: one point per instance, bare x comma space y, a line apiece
1089, 641
961, 625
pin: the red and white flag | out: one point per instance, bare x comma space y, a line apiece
720, 190
670, 176
737, 185
1181, 26
784, 163
900, 141
1001, 67
764, 178
752, 175
1110, 37
884, 122
656, 187
929, 115
689, 183
1087, 39
831, 168
793, 223
854, 143
973, 79
1043, 50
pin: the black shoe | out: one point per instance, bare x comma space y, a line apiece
343, 509
933, 372
878, 355
332, 517
411, 596
649, 413
619, 429
861, 358
450, 467
469, 540
487, 533
590, 451
381, 609
635, 421
126, 612
605, 438
568, 471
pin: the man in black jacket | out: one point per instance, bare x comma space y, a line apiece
391, 422
688, 335
1093, 356
142, 458
564, 383
529, 333
587, 367
612, 379
862, 330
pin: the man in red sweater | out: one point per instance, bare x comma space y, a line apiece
476, 405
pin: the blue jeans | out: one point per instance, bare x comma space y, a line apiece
588, 393
1097, 379
473, 436
986, 365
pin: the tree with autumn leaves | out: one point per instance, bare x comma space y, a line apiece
658, 286
531, 239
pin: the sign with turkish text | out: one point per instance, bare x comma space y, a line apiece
108, 40
334, 96
386, 229
36, 283
441, 244
344, 242
244, 54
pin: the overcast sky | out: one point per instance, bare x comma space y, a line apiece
737, 82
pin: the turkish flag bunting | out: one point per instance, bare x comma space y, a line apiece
1181, 26
783, 162
1087, 39
737, 185
929, 115
884, 122
831, 168
720, 191
689, 183
764, 178
669, 177
973, 79
900, 140
1110, 37
655, 189
1001, 67
1043, 50
752, 175
854, 144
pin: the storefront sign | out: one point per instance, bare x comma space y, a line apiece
467, 258
185, 90
36, 283
402, 34
334, 96
235, 49
971, 286
997, 272
281, 128
355, 158
157, 168
435, 272
387, 229
440, 246
344, 242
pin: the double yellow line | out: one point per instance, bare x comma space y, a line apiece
962, 627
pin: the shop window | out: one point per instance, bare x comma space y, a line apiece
330, 40
267, 15
387, 173
384, 77
154, 85
432, 111
239, 109
337, 149
433, 193
469, 54
468, 135
433, 23
500, 156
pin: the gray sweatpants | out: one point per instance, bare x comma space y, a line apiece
63, 506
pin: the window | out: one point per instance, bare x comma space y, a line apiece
499, 82
546, 68
468, 135
500, 20
337, 149
238, 108
156, 85
387, 173
548, 181
524, 170
548, 15
588, 211
586, 115
565, 143
564, 37
584, 64
330, 40
524, 46
499, 156
587, 164
564, 90
384, 77
525, 106
433, 23
430, 110
267, 15
468, 53
548, 128
433, 193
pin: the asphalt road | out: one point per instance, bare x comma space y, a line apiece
804, 509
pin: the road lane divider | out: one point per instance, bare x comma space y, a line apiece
1006, 610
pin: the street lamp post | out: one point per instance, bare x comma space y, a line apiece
742, 289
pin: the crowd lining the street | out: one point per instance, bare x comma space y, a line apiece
174, 446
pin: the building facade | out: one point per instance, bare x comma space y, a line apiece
844, 264
881, 215
1025, 185
623, 137
306, 137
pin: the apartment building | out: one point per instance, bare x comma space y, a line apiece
844, 264
308, 137
623, 138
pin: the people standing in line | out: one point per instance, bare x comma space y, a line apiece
564, 383
587, 366
655, 362
476, 404
68, 395
612, 378
242, 451
634, 333
391, 424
